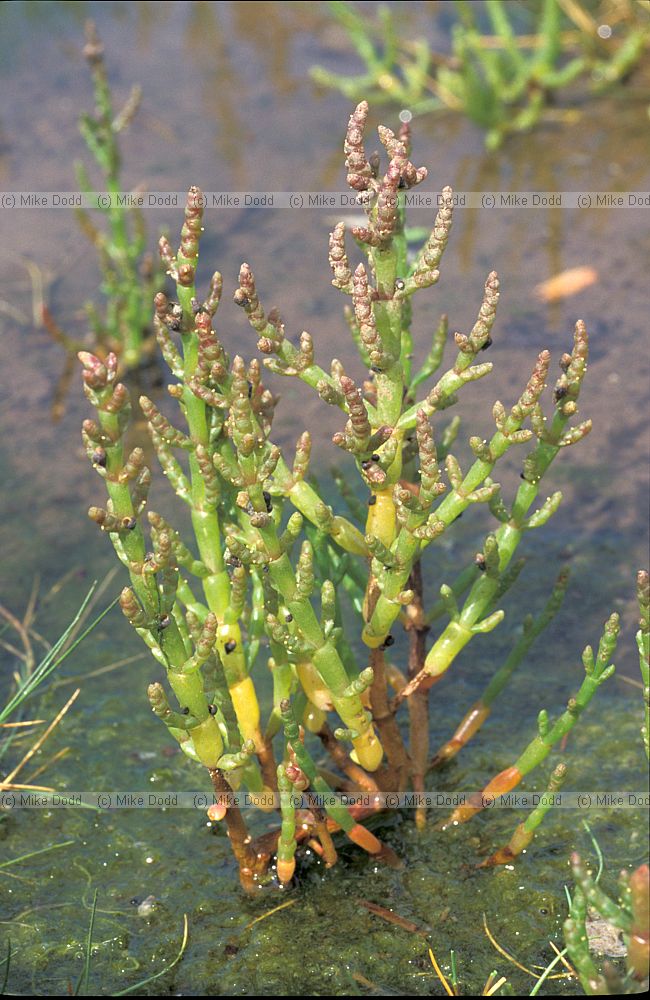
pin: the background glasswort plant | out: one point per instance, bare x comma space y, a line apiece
628, 916
273, 567
130, 275
500, 78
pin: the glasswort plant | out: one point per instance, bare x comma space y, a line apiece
130, 277
271, 564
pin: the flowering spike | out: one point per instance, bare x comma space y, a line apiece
338, 259
161, 426
529, 398
575, 434
213, 299
305, 570
546, 511
292, 531
132, 467
358, 428
246, 297
430, 485
188, 252
359, 170
111, 522
478, 338
132, 610
425, 270
212, 489
365, 317
167, 348
301, 459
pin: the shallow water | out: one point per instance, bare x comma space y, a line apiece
227, 105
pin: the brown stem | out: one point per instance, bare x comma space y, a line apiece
422, 680
393, 777
306, 831
267, 843
419, 702
252, 863
323, 834
268, 766
467, 728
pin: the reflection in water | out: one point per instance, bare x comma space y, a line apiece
219, 37
208, 44
272, 28
548, 160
